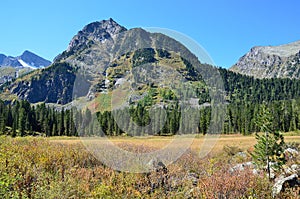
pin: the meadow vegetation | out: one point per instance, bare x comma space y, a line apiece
33, 167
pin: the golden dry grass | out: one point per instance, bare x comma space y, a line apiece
157, 142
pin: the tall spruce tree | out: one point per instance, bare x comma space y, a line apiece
22, 122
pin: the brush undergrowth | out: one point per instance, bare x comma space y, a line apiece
39, 168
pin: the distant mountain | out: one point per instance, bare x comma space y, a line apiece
27, 59
271, 61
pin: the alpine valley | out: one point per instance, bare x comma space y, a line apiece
105, 58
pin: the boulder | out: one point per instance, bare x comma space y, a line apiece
293, 169
158, 166
291, 181
241, 154
291, 153
241, 167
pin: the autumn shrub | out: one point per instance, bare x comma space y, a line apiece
33, 166
225, 183
39, 168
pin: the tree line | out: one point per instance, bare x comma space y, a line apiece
242, 89
241, 118
22, 119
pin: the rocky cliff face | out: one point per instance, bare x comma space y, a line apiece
51, 85
96, 32
271, 62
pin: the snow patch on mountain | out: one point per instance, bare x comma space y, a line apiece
24, 64
27, 59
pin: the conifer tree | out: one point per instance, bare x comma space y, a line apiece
2, 123
269, 148
9, 117
22, 122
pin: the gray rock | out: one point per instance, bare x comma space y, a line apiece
50, 86
272, 173
241, 154
157, 165
292, 169
292, 181
291, 151
271, 61
241, 167
295, 167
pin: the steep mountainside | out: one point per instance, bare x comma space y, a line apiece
271, 61
104, 55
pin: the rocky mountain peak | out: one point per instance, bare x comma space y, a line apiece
271, 61
109, 26
27, 53
96, 31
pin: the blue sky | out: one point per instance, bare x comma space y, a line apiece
226, 29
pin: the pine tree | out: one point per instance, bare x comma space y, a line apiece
9, 117
54, 129
46, 127
87, 122
2, 123
269, 147
22, 122
62, 122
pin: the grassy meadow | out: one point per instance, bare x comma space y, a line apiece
61, 167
